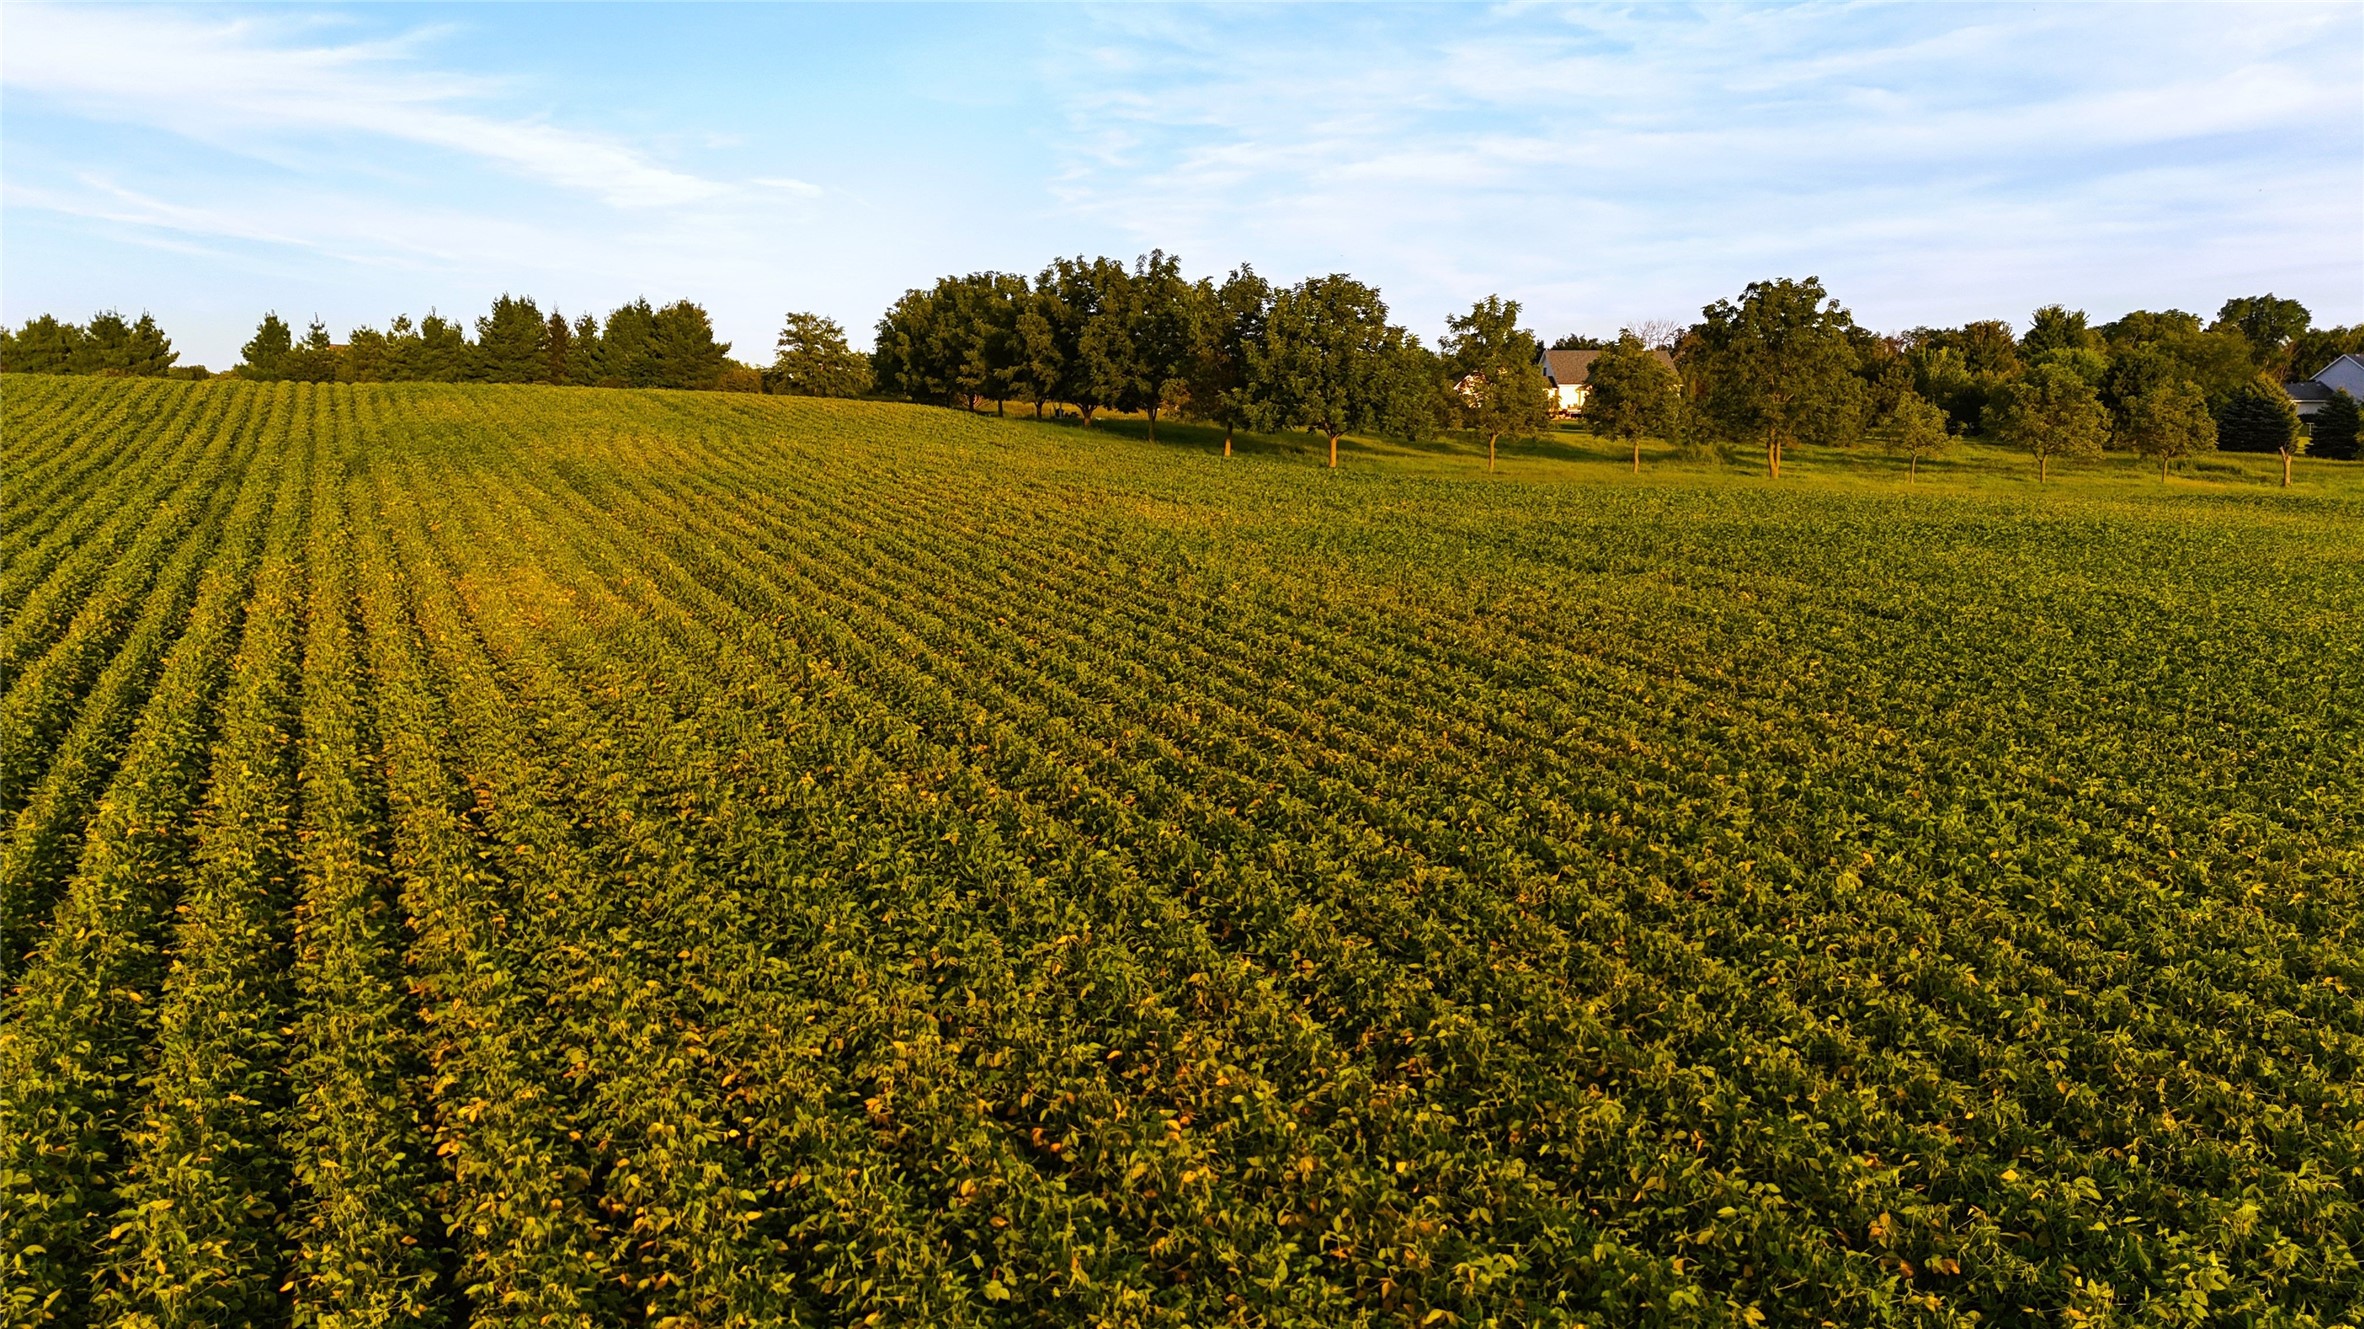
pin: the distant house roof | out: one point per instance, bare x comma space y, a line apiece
1570, 368
2345, 374
2307, 389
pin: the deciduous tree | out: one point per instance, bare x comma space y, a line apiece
1035, 364
2269, 324
1323, 357
2169, 422
2057, 328
2052, 412
1635, 394
814, 361
1497, 383
1094, 350
1777, 365
1161, 329
1916, 428
1231, 323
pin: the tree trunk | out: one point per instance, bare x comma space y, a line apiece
1490, 441
2162, 468
1038, 408
1637, 454
1153, 424
998, 403
1333, 452
1912, 469
2043, 467
1227, 440
1087, 414
2285, 470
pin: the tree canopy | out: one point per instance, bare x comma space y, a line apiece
2169, 422
1499, 388
1633, 394
814, 361
1777, 365
1326, 347
2050, 411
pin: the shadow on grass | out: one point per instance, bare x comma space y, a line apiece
1572, 452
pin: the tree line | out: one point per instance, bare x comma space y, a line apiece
1783, 363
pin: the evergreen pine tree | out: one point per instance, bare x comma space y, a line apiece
625, 344
264, 359
2335, 429
105, 347
586, 356
150, 353
509, 343
682, 349
556, 336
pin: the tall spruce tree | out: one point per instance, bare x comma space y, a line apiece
105, 347
149, 353
586, 356
313, 358
626, 341
2333, 431
264, 358
45, 345
511, 343
557, 348
682, 350
2258, 417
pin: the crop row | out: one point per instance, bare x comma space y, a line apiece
527, 858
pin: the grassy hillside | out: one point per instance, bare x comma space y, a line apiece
550, 856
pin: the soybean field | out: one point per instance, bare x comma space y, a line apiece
523, 856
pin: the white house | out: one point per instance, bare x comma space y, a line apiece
2346, 374
1566, 372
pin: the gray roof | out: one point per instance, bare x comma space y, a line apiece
1568, 368
2307, 389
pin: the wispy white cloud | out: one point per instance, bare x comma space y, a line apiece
1603, 164
234, 81
1643, 160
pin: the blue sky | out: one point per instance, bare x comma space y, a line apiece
1605, 165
